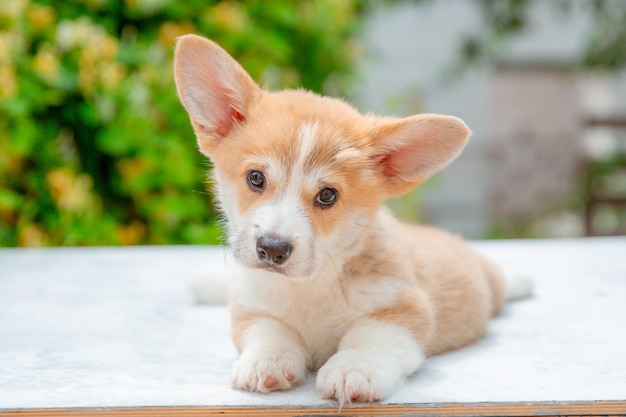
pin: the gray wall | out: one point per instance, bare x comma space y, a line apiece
409, 49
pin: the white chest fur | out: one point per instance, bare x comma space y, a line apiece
319, 309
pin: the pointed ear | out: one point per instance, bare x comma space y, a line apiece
214, 89
412, 149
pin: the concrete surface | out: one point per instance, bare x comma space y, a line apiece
111, 327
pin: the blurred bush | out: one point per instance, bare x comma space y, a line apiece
94, 146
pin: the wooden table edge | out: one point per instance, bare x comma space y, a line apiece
517, 409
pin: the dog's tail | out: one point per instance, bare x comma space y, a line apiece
211, 285
518, 285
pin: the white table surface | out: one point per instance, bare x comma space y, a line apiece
117, 327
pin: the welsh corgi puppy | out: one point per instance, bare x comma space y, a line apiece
326, 279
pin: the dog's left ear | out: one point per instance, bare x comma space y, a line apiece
411, 150
214, 89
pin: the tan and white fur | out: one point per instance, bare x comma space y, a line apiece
325, 278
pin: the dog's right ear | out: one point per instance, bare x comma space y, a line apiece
214, 89
412, 149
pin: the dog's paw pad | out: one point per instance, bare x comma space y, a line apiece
347, 383
357, 396
279, 371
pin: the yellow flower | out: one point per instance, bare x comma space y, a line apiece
47, 64
32, 236
132, 169
87, 71
40, 17
230, 16
108, 48
13, 9
70, 193
133, 233
111, 75
169, 31
82, 32
8, 82
8, 41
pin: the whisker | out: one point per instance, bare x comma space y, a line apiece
201, 192
339, 274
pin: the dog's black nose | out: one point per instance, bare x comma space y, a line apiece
272, 250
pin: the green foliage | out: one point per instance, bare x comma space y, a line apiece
606, 47
605, 44
95, 148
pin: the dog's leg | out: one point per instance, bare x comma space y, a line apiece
373, 357
272, 357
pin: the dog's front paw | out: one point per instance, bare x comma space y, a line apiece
345, 378
277, 371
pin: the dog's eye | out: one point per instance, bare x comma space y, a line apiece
256, 180
326, 197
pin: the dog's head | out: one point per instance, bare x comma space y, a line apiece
298, 176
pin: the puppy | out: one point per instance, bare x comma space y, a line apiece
326, 278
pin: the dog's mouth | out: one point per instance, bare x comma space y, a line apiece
272, 268
282, 270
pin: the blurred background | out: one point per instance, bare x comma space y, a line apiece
95, 148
